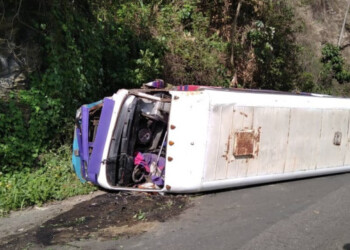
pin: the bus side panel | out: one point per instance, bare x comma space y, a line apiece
333, 121
347, 141
213, 142
249, 138
273, 126
222, 135
303, 139
242, 121
270, 127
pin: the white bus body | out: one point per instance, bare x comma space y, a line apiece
219, 138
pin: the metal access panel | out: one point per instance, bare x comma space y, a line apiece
246, 144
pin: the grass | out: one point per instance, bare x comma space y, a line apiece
55, 180
140, 215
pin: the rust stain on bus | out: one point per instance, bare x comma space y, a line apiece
244, 114
257, 142
244, 144
228, 145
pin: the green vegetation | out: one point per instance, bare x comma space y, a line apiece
54, 179
270, 46
89, 49
333, 64
140, 215
193, 55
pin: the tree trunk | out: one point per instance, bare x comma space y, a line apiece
233, 40
344, 22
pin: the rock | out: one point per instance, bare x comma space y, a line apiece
19, 55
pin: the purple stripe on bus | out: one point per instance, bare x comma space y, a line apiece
98, 147
85, 134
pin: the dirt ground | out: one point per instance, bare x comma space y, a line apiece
104, 217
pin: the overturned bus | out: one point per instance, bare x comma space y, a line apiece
192, 138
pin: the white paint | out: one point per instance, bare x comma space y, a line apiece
296, 138
190, 116
119, 98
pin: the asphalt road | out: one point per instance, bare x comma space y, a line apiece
305, 214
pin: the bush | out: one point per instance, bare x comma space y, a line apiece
54, 181
333, 64
275, 47
28, 120
194, 55
89, 50
306, 82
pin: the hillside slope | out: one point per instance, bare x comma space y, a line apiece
321, 22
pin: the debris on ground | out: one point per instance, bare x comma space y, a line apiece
108, 216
